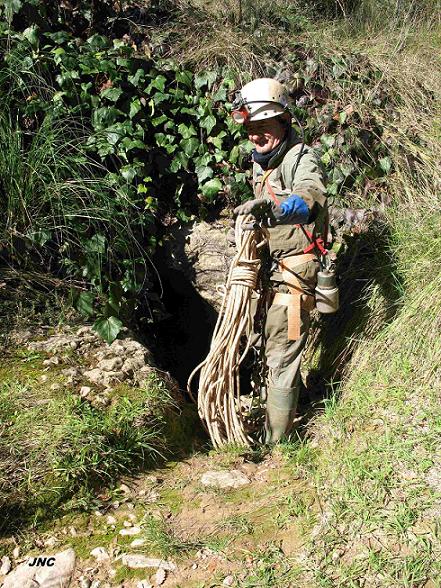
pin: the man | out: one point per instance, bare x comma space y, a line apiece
290, 199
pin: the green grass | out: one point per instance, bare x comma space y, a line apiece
270, 568
160, 539
57, 450
375, 445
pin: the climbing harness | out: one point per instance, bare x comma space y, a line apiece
219, 402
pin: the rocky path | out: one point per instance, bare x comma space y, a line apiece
224, 518
181, 526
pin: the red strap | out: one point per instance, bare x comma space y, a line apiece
271, 192
315, 242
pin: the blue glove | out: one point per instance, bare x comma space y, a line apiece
294, 210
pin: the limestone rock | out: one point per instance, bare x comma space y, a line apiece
203, 255
59, 575
100, 554
136, 561
85, 391
111, 365
207, 245
224, 479
130, 531
160, 577
104, 366
6, 565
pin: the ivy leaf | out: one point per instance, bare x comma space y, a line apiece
206, 78
332, 189
135, 107
385, 164
337, 176
159, 120
84, 303
204, 172
220, 95
208, 123
234, 154
130, 144
108, 328
338, 70
112, 94
328, 140
180, 161
12, 6
98, 42
41, 237
97, 244
158, 83
189, 146
31, 34
211, 188
185, 77
128, 172
136, 78
346, 169
186, 131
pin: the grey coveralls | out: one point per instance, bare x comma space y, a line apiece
283, 355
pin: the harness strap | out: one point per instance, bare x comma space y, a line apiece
297, 299
315, 243
265, 181
294, 261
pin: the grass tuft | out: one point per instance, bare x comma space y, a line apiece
57, 451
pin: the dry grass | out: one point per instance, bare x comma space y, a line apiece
379, 457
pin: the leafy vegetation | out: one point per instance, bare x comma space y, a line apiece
108, 148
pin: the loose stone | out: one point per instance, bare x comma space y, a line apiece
224, 479
100, 554
135, 561
59, 574
85, 391
6, 565
160, 577
130, 531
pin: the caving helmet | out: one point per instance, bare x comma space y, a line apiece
260, 99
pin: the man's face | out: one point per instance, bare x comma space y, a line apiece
265, 134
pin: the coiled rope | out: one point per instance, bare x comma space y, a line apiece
219, 403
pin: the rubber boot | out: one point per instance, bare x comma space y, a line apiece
280, 412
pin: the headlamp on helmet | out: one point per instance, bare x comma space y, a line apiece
240, 112
260, 99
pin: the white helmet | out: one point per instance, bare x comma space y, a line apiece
260, 99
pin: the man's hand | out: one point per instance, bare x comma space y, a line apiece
293, 210
260, 208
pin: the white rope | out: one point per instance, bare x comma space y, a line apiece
219, 389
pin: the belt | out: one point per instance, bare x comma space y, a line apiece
297, 299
